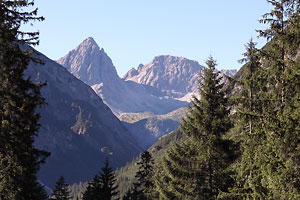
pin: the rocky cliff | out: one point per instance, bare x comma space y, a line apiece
91, 64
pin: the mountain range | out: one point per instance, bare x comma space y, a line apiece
86, 99
171, 76
91, 64
165, 84
165, 75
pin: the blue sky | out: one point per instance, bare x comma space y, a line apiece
134, 31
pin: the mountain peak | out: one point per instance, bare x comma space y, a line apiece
174, 75
91, 39
89, 63
88, 43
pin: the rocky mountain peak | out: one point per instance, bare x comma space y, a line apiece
175, 76
93, 66
89, 42
132, 72
140, 66
89, 63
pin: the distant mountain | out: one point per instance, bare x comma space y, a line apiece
172, 76
149, 129
91, 64
77, 128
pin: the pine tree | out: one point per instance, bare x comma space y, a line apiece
103, 186
19, 97
279, 32
143, 186
61, 191
197, 168
93, 190
281, 161
108, 180
249, 105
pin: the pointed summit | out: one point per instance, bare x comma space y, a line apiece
92, 66
89, 43
89, 64
90, 40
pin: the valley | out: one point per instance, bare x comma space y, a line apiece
92, 113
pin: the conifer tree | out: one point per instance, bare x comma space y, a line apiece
19, 97
279, 32
248, 128
197, 168
144, 175
93, 190
103, 186
108, 179
281, 163
61, 191
143, 186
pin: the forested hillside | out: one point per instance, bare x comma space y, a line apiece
236, 140
260, 152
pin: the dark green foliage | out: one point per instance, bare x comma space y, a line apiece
143, 185
103, 186
281, 163
19, 159
197, 168
248, 129
268, 111
94, 189
61, 191
108, 180
266, 115
144, 177
126, 174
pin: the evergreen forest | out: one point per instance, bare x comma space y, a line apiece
239, 139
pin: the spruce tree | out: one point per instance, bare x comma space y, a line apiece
61, 191
108, 180
197, 168
279, 33
103, 186
93, 190
144, 176
19, 97
143, 185
281, 160
249, 105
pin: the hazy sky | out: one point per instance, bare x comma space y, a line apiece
134, 31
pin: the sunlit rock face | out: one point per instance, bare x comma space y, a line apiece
91, 64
